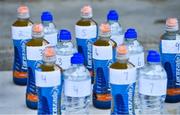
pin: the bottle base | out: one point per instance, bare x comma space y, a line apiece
21, 82
31, 105
172, 99
102, 105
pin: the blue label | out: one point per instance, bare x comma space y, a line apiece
31, 87
49, 100
85, 48
122, 99
20, 62
171, 63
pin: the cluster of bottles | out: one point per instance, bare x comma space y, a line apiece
59, 79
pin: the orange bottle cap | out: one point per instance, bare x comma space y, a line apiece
23, 9
105, 27
87, 9
122, 49
37, 28
49, 52
172, 22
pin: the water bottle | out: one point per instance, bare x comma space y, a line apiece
122, 79
77, 87
86, 34
50, 32
64, 49
116, 29
48, 82
152, 85
170, 58
21, 33
34, 49
136, 57
104, 50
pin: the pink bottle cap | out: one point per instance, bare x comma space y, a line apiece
105, 27
23, 9
171, 22
37, 28
49, 51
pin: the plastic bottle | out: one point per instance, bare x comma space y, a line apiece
77, 87
104, 50
136, 57
116, 29
170, 58
122, 79
21, 33
152, 85
34, 49
48, 82
64, 49
50, 31
86, 31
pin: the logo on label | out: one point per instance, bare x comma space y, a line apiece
178, 46
23, 47
55, 99
89, 54
177, 60
130, 98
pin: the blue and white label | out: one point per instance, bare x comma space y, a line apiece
86, 32
102, 52
77, 88
48, 79
137, 59
21, 33
152, 87
51, 38
122, 77
64, 61
34, 53
170, 46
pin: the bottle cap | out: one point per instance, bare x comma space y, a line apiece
105, 27
172, 24
64, 35
122, 50
46, 16
38, 28
153, 56
131, 34
23, 11
113, 15
86, 11
49, 51
77, 58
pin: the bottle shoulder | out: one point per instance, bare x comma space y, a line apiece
22, 23
134, 46
153, 72
49, 68
85, 22
37, 42
168, 36
118, 65
77, 73
103, 42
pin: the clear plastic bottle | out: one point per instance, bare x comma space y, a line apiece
104, 50
152, 85
50, 31
64, 49
86, 31
77, 87
116, 29
136, 57
34, 49
21, 33
122, 79
48, 82
170, 58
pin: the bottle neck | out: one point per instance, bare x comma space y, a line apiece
77, 65
46, 23
122, 59
23, 16
154, 63
49, 60
37, 35
88, 16
172, 32
23, 19
105, 36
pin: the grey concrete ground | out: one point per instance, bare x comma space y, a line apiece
12, 99
145, 15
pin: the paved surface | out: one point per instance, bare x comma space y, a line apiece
145, 15
12, 99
